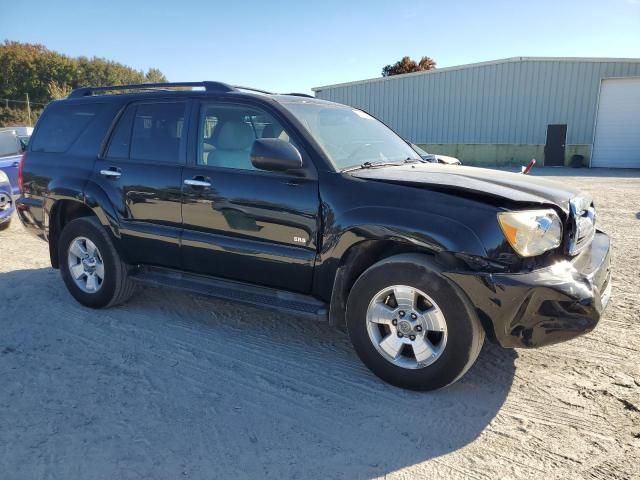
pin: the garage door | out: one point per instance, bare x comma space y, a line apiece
617, 139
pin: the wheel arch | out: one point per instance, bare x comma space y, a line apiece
61, 212
349, 251
360, 257
63, 208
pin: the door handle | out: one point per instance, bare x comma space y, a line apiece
111, 172
16, 164
195, 182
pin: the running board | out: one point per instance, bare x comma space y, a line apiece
265, 297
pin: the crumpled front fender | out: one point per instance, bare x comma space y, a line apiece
543, 306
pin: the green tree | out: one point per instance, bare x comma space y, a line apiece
408, 65
154, 75
57, 91
46, 75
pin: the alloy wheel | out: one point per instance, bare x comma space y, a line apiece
85, 265
406, 327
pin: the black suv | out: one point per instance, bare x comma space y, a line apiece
311, 207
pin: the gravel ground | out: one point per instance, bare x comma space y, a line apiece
177, 386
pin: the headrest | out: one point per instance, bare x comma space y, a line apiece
271, 131
235, 135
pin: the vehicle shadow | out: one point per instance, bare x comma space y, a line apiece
174, 384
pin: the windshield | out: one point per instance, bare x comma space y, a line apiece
351, 137
419, 151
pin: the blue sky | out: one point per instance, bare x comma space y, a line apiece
295, 45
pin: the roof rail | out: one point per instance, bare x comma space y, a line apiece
219, 87
249, 89
208, 86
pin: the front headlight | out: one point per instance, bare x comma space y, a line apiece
531, 232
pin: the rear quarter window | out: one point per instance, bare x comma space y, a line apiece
62, 124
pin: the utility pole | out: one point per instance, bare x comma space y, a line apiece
28, 109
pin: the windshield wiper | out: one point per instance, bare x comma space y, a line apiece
412, 160
381, 163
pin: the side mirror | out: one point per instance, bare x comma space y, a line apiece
275, 154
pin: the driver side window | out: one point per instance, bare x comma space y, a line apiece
227, 132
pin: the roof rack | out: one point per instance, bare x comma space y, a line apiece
249, 89
208, 86
218, 87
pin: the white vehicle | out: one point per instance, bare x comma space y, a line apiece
12, 145
434, 157
23, 133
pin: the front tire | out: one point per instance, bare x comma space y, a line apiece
411, 326
91, 268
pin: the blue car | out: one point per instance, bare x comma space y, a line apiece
6, 201
11, 149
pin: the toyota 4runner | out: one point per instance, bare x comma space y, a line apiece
310, 207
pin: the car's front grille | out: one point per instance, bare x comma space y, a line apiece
582, 224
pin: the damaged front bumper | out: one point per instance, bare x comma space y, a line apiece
544, 306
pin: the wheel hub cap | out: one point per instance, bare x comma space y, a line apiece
89, 263
405, 327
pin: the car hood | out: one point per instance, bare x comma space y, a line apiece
481, 181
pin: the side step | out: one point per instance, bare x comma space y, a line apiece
265, 297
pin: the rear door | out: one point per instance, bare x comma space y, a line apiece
242, 223
141, 173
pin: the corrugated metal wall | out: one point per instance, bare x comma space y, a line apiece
503, 102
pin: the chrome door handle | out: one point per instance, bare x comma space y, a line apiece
197, 183
110, 173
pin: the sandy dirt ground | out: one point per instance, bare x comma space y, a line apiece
174, 386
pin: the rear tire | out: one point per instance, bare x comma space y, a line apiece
5, 225
86, 248
424, 340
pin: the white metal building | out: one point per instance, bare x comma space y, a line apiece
509, 111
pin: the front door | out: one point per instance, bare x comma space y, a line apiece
141, 173
554, 148
241, 223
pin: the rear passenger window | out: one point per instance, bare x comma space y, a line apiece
62, 124
157, 132
150, 132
